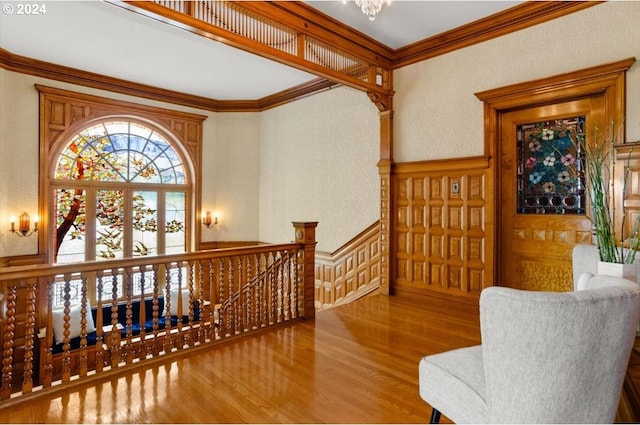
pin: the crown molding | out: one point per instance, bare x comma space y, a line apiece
24, 65
513, 19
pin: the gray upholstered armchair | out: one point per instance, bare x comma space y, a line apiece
545, 357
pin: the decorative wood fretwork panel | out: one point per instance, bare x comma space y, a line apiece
350, 272
63, 111
442, 229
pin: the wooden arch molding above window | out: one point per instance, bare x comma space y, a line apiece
63, 113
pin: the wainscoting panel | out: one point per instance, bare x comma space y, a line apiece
350, 272
443, 228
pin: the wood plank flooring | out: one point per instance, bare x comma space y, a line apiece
353, 364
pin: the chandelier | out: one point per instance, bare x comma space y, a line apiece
371, 7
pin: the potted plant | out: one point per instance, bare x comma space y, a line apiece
599, 162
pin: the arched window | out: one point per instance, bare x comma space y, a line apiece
120, 190
120, 182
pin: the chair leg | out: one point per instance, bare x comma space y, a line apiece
435, 416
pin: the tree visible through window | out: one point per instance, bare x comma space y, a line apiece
120, 191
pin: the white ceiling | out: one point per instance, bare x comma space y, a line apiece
103, 38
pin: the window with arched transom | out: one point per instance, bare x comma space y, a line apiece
120, 191
119, 181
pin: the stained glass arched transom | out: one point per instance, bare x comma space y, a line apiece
120, 152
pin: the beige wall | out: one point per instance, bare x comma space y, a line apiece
318, 162
436, 112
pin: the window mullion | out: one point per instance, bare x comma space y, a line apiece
162, 220
128, 224
90, 223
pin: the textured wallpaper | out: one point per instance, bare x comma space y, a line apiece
318, 162
436, 113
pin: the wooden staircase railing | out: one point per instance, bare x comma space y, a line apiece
350, 272
209, 296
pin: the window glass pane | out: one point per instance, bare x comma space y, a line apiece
70, 224
138, 130
109, 223
142, 169
108, 285
74, 291
550, 175
143, 282
174, 230
145, 223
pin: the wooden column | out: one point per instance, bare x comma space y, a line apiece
385, 168
305, 232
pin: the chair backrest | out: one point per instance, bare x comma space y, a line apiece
557, 357
584, 259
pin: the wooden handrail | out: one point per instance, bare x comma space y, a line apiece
207, 296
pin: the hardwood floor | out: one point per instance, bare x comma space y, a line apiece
357, 363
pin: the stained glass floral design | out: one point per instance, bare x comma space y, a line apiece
550, 177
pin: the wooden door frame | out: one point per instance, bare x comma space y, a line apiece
607, 80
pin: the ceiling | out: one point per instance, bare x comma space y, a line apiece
103, 38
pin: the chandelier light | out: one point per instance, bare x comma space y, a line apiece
371, 7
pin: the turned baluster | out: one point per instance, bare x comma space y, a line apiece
281, 294
47, 376
83, 367
286, 288
262, 289
221, 315
167, 310
202, 330
192, 337
128, 290
155, 349
9, 341
230, 307
240, 299
27, 380
66, 346
180, 308
99, 324
248, 318
213, 297
115, 332
272, 289
144, 348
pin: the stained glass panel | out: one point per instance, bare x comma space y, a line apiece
550, 174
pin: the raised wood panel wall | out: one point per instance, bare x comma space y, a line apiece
350, 272
627, 201
443, 229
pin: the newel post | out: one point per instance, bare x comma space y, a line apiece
306, 234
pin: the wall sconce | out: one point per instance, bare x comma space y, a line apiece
24, 227
208, 220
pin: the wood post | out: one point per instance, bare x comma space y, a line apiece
305, 233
